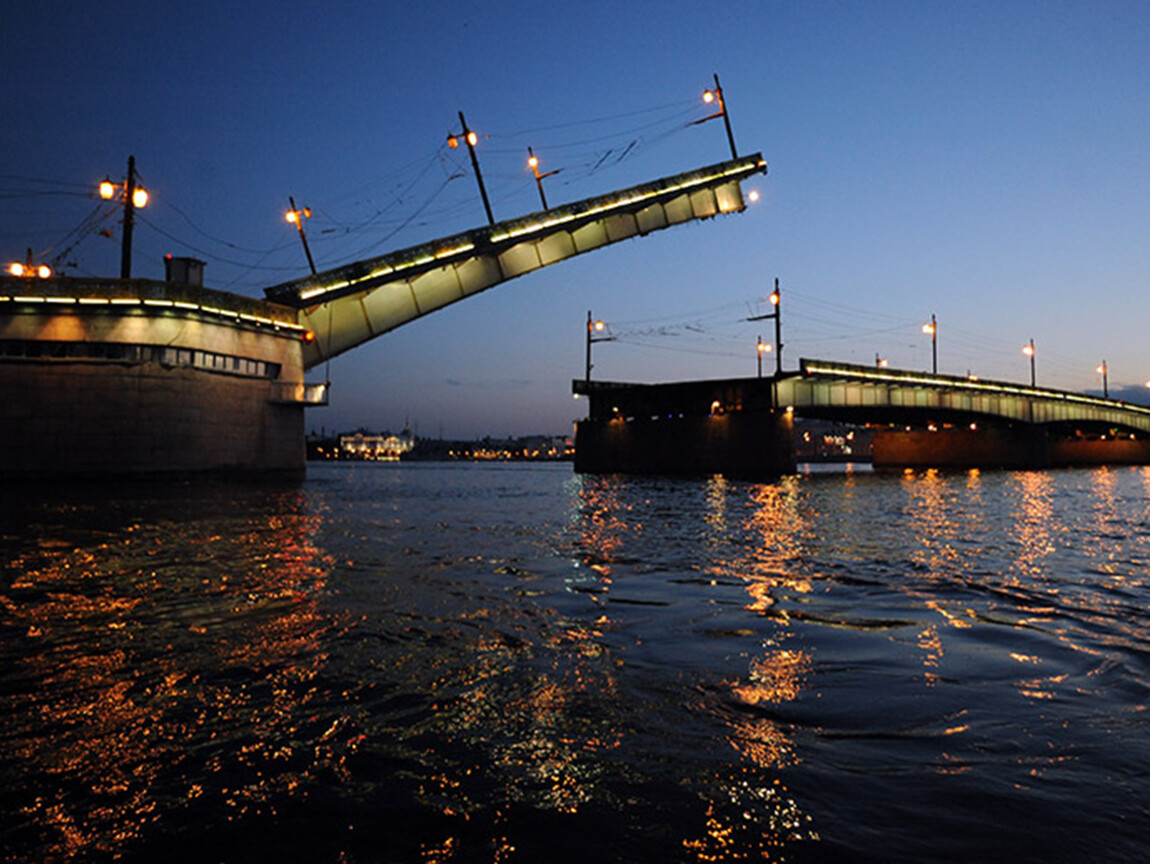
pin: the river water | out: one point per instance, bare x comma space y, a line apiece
505, 663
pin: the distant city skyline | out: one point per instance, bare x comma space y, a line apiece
982, 163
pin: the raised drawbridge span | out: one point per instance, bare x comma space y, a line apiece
349, 305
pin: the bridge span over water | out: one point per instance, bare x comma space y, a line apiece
745, 425
131, 376
349, 305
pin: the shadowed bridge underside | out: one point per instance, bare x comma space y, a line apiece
347, 306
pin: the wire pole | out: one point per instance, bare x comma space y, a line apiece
470, 138
129, 220
302, 236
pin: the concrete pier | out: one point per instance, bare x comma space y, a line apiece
130, 378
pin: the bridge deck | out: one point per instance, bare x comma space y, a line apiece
867, 395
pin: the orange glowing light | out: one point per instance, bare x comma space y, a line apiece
928, 329
17, 269
107, 189
774, 298
599, 325
472, 138
452, 141
292, 216
1028, 350
308, 336
708, 96
533, 162
44, 271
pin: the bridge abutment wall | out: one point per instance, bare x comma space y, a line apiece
107, 378
97, 420
697, 428
744, 444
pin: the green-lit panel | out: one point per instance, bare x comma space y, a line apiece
703, 204
347, 323
384, 309
590, 237
519, 259
678, 210
651, 218
556, 248
476, 274
621, 227
730, 198
436, 288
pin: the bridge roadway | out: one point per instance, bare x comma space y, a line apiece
745, 425
349, 305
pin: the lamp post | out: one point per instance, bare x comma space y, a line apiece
716, 95
1028, 350
880, 361
1104, 371
931, 328
764, 348
296, 216
776, 300
533, 162
594, 327
470, 138
135, 198
30, 269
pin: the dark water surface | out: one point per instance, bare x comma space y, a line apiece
457, 663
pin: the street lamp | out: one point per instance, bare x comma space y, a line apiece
1028, 350
135, 198
931, 329
776, 300
764, 348
470, 138
594, 327
29, 269
716, 96
533, 163
296, 216
1104, 371
880, 362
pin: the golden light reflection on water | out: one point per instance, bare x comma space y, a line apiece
110, 689
753, 536
1033, 526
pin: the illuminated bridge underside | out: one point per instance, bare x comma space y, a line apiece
743, 426
348, 306
865, 394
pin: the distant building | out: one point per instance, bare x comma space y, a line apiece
382, 447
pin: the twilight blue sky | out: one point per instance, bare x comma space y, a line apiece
983, 161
